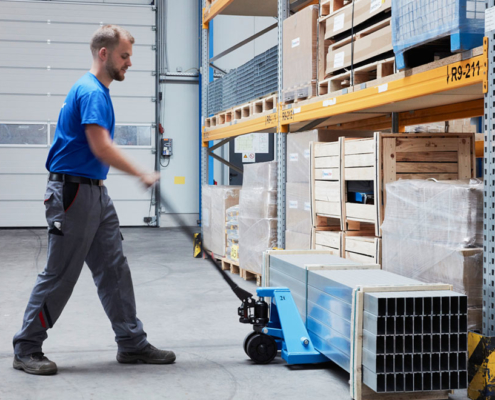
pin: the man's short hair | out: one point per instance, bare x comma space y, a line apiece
108, 36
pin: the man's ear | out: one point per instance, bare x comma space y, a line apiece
103, 54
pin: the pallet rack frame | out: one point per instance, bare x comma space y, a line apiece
396, 104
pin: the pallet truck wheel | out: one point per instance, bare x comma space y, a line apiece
246, 340
261, 348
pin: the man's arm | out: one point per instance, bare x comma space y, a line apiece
107, 152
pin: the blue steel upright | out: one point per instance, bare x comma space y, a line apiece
287, 328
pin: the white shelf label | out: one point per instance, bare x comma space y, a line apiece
307, 206
296, 42
338, 23
293, 204
297, 110
293, 157
327, 173
338, 60
490, 19
375, 5
383, 88
330, 102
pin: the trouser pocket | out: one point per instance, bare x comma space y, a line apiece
70, 192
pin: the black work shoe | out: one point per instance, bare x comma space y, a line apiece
36, 364
149, 355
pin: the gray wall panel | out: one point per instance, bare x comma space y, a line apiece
63, 55
78, 13
44, 108
43, 81
67, 32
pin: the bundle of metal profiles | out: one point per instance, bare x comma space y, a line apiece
412, 341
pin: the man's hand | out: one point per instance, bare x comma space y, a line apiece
149, 179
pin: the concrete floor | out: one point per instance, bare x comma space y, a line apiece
185, 306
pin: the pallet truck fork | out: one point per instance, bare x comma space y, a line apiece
280, 328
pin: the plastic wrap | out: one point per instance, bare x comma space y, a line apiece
256, 236
233, 213
258, 203
415, 22
433, 232
298, 155
298, 208
260, 176
297, 241
216, 201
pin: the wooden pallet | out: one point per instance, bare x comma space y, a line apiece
328, 7
233, 267
252, 109
362, 75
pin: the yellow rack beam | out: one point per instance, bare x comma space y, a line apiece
453, 76
212, 11
260, 124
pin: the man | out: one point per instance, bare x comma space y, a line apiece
82, 223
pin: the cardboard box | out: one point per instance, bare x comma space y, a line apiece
372, 42
300, 48
341, 21
297, 241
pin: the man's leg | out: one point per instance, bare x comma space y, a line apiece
113, 279
72, 213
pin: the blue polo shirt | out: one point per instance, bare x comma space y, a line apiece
88, 102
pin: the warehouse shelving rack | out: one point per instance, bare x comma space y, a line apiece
432, 95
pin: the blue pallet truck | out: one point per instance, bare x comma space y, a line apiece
280, 328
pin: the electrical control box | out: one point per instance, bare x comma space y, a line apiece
167, 147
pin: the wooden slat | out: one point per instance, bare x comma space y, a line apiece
332, 251
359, 174
361, 212
328, 238
359, 257
359, 146
328, 208
427, 144
439, 177
424, 156
361, 245
327, 174
327, 162
327, 191
327, 149
389, 165
360, 160
464, 160
439, 168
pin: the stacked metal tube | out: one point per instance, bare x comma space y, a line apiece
412, 341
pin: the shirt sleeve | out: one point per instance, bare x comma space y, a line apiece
94, 109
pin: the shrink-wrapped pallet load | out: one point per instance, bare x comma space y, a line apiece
258, 214
216, 201
433, 232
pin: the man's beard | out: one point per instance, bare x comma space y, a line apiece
114, 73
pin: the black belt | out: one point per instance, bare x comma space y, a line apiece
74, 179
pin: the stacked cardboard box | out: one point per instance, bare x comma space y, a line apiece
216, 200
258, 214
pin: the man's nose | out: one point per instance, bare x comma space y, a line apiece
129, 63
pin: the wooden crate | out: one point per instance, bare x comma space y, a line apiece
328, 239
389, 157
326, 187
362, 247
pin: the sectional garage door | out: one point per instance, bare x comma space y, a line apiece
44, 47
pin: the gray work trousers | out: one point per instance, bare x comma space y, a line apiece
82, 226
